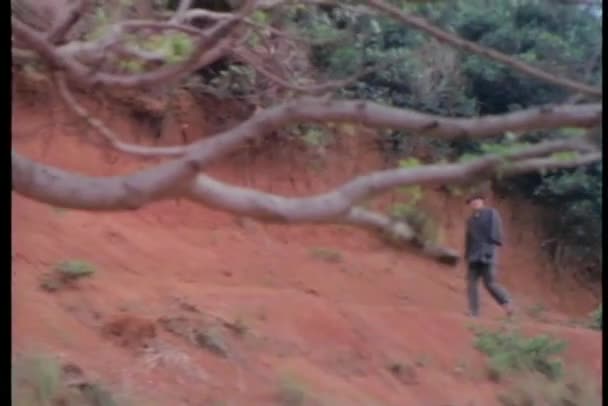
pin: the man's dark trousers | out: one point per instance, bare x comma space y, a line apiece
486, 271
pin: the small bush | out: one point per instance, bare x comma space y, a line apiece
36, 380
327, 255
64, 274
534, 389
596, 318
40, 381
511, 352
292, 392
75, 269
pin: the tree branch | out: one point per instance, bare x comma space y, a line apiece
177, 179
182, 9
455, 41
378, 116
548, 164
336, 203
108, 135
399, 234
366, 113
63, 25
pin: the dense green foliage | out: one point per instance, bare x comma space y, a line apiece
425, 75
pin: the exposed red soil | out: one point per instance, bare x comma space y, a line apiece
167, 273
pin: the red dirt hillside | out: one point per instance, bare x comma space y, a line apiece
190, 306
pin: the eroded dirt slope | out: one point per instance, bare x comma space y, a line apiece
192, 306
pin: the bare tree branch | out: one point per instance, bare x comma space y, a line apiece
57, 187
330, 205
366, 113
398, 233
182, 8
379, 116
108, 135
548, 164
65, 189
63, 25
455, 41
175, 178
201, 13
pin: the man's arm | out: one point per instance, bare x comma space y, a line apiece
496, 228
467, 242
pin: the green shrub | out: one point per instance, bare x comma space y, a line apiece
511, 352
64, 274
292, 392
75, 269
35, 380
326, 254
39, 380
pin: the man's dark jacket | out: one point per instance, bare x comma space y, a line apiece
484, 233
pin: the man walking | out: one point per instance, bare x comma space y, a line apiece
483, 235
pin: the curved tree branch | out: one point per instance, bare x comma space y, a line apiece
366, 113
177, 178
65, 24
65, 189
336, 203
182, 8
57, 187
377, 116
398, 233
372, 115
108, 135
